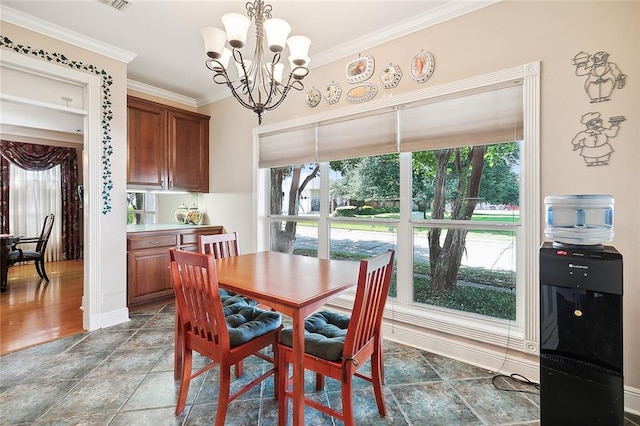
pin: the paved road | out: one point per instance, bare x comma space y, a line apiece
490, 253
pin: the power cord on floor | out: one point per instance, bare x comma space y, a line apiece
514, 377
518, 379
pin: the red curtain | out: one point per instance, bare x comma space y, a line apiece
43, 157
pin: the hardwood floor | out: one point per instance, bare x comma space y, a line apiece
33, 311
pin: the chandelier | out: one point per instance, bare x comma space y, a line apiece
259, 85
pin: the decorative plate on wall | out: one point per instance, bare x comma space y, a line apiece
362, 92
313, 97
390, 76
422, 66
332, 92
359, 69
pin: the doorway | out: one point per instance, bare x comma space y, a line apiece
90, 111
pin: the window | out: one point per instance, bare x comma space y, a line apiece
294, 205
450, 180
34, 194
141, 208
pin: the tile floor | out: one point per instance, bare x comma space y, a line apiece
123, 375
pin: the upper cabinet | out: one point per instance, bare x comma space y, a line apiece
167, 148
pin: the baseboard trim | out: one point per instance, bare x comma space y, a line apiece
112, 318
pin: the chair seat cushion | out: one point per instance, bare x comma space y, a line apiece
225, 293
229, 297
324, 335
13, 256
26, 255
232, 300
246, 322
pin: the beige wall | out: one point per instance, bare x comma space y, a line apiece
498, 37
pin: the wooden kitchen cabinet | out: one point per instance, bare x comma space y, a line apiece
148, 274
167, 148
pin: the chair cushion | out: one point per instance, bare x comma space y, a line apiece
31, 255
324, 335
232, 300
236, 298
246, 322
16, 256
13, 255
225, 293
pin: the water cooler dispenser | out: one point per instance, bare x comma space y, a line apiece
581, 375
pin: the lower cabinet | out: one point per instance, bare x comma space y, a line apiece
148, 273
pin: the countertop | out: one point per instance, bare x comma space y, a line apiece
163, 227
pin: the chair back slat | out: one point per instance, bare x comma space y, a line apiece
195, 284
41, 246
220, 245
374, 279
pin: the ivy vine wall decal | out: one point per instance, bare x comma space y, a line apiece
107, 114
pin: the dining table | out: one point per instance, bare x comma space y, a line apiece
6, 241
293, 285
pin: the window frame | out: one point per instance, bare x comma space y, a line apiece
519, 335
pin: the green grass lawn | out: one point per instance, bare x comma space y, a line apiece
483, 300
477, 217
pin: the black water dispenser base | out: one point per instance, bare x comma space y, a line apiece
572, 395
581, 339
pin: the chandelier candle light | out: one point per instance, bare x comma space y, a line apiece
259, 86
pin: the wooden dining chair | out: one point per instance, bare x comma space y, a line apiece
338, 345
220, 245
225, 335
37, 255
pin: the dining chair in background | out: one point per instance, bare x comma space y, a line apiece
37, 255
338, 345
221, 246
225, 335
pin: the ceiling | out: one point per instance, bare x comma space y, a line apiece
160, 39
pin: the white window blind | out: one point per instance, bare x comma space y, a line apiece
484, 115
291, 146
360, 137
490, 116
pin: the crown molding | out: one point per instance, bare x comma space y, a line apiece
446, 12
161, 93
29, 22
